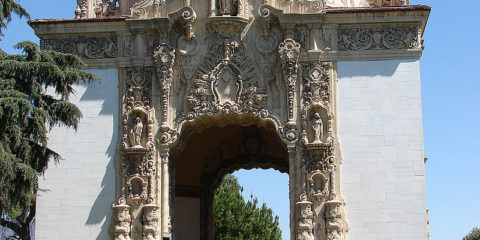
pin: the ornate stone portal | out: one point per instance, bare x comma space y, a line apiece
269, 67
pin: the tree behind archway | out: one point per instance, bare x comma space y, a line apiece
237, 219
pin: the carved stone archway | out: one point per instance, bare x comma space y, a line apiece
192, 69
210, 147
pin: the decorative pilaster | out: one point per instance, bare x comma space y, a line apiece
335, 229
150, 222
138, 169
320, 162
122, 221
166, 224
289, 54
164, 59
305, 219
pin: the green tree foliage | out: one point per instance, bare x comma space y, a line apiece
7, 7
237, 219
27, 113
473, 235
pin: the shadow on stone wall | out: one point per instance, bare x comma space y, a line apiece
106, 91
374, 68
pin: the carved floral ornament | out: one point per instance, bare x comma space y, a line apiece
87, 48
381, 38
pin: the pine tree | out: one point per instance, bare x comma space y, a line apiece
237, 219
27, 113
473, 235
7, 7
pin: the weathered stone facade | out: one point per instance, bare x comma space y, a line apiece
263, 72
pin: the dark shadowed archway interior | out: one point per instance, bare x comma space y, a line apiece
202, 159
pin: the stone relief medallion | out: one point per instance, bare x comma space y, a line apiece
266, 43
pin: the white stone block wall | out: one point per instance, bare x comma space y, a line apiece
380, 133
79, 192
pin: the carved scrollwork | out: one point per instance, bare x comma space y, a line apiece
87, 48
143, 8
289, 54
378, 38
307, 6
104, 8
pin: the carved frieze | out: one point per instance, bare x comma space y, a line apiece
87, 48
378, 38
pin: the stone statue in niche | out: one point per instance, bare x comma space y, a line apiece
135, 135
227, 7
317, 125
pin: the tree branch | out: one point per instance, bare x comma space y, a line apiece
17, 228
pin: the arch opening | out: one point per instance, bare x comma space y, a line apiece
210, 148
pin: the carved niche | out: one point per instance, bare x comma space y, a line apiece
138, 159
319, 163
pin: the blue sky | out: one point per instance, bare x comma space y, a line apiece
450, 70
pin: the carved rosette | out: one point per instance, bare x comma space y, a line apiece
164, 59
289, 54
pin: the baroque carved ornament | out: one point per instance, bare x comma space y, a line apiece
138, 159
86, 48
289, 54
319, 163
378, 38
